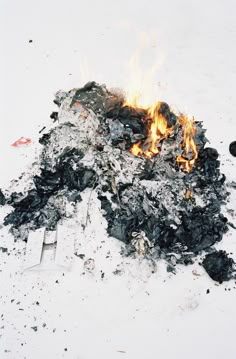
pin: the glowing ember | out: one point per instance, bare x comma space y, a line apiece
188, 144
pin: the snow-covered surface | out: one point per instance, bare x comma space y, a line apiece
134, 313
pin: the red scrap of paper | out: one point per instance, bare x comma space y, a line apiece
21, 141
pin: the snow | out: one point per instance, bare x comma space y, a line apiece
137, 313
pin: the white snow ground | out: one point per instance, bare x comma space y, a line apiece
136, 314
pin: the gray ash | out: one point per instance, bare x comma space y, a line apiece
151, 205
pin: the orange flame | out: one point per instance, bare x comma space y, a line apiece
158, 130
139, 95
188, 144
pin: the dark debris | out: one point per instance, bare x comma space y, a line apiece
199, 227
232, 148
219, 266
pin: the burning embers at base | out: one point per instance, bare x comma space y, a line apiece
158, 130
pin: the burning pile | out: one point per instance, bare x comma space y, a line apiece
160, 188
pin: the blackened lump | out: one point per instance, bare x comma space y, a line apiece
232, 148
219, 266
2, 198
54, 116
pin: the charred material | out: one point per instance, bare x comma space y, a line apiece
136, 121
54, 116
93, 97
152, 205
2, 198
133, 119
35, 207
219, 266
196, 232
232, 148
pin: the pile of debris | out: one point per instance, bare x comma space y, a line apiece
160, 188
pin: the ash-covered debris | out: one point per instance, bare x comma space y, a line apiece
45, 204
152, 205
219, 266
95, 97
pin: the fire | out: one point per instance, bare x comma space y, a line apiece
157, 129
136, 149
139, 96
188, 144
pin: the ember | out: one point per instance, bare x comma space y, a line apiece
160, 188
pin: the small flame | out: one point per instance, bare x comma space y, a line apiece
140, 95
188, 144
158, 130
136, 149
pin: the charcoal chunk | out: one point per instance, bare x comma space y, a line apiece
209, 153
2, 198
232, 148
54, 116
219, 266
209, 164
